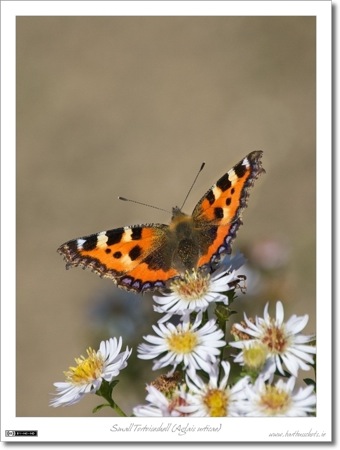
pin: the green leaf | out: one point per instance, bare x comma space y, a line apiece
97, 408
106, 389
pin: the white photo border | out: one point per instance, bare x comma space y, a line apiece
96, 429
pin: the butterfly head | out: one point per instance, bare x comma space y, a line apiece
177, 213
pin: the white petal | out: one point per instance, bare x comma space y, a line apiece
279, 314
265, 313
296, 324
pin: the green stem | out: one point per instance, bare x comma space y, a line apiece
105, 391
205, 317
118, 410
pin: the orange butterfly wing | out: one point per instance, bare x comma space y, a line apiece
135, 258
218, 213
145, 257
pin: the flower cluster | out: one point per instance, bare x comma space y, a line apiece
190, 340
280, 342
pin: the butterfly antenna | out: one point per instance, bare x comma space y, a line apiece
144, 204
193, 183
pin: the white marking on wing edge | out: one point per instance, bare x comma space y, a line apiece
232, 176
217, 192
127, 235
245, 162
102, 239
80, 243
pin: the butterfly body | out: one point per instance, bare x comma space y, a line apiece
147, 257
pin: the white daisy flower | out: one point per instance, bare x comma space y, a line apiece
162, 406
278, 400
195, 347
87, 376
283, 341
215, 398
196, 290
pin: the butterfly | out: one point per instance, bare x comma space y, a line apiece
148, 257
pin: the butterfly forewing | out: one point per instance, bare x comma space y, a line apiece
218, 213
115, 253
226, 199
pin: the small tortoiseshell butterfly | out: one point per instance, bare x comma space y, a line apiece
144, 258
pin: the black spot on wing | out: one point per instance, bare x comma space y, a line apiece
240, 169
136, 233
90, 243
224, 183
218, 213
135, 252
210, 197
114, 236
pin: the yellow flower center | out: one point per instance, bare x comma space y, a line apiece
192, 286
275, 339
275, 400
216, 402
255, 356
182, 342
87, 369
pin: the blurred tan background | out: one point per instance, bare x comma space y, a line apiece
131, 106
